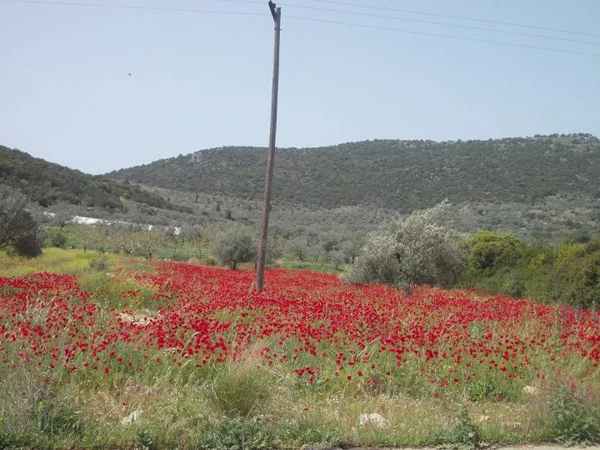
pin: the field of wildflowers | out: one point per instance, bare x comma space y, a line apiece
166, 354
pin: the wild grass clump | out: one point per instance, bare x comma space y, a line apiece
33, 412
241, 388
56, 416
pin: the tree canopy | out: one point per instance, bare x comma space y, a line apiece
416, 250
18, 229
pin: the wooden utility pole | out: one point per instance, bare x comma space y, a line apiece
262, 250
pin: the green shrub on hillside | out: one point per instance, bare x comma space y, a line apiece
491, 250
576, 278
568, 274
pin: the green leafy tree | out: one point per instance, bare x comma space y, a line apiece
576, 278
55, 237
491, 250
235, 244
416, 250
18, 229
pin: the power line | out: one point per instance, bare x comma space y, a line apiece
331, 22
141, 7
446, 36
256, 2
447, 16
429, 22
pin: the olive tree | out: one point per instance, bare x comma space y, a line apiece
415, 250
297, 247
235, 244
18, 229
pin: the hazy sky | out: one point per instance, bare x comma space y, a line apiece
201, 80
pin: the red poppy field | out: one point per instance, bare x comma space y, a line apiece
309, 335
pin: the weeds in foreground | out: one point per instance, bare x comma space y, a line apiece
463, 435
572, 421
145, 438
237, 433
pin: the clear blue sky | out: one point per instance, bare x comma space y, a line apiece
201, 80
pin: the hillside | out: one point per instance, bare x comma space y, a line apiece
46, 183
400, 175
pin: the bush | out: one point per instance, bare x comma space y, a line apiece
576, 278
491, 250
412, 251
56, 238
99, 263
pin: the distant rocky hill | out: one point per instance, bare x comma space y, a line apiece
395, 174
